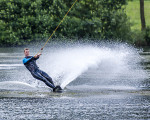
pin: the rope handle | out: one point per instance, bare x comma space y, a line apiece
39, 52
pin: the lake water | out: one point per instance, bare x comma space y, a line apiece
100, 82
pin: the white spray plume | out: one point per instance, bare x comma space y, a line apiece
66, 64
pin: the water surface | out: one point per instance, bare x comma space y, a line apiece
113, 83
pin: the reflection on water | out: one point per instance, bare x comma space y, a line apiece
22, 98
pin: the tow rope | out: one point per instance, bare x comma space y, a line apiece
56, 28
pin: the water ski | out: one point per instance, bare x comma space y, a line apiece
57, 89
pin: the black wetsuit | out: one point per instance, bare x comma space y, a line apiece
30, 63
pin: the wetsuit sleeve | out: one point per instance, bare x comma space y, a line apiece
36, 58
27, 60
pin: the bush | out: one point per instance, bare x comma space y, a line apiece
147, 35
141, 38
138, 38
27, 21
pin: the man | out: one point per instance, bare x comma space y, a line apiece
30, 64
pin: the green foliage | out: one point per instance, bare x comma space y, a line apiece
141, 38
147, 35
24, 21
138, 38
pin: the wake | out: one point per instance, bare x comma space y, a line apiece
15, 85
107, 63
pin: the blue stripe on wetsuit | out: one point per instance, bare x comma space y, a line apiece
25, 60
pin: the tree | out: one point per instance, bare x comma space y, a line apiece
143, 24
27, 21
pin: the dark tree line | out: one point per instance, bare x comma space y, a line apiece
24, 21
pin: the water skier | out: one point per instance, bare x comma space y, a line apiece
30, 64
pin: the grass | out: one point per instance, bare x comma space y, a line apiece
133, 12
